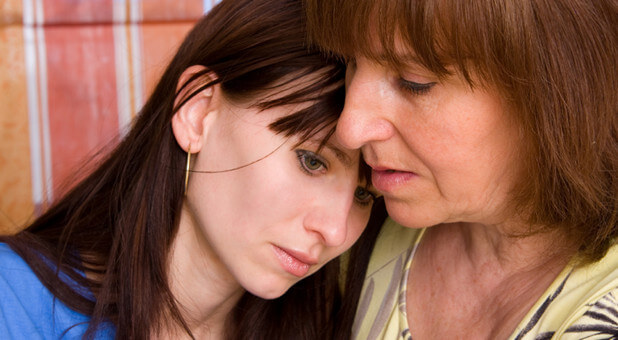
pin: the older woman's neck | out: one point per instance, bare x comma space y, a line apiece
479, 275
510, 246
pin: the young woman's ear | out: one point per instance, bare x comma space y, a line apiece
191, 122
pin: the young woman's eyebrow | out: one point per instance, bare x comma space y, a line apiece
341, 156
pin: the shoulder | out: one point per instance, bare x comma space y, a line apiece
27, 307
392, 245
375, 314
582, 303
596, 314
15, 274
599, 320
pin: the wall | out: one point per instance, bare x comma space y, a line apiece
73, 73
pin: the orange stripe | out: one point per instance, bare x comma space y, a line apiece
15, 183
159, 43
11, 12
170, 10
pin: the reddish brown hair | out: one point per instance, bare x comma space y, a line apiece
554, 62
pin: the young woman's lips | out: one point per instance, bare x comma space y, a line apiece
388, 180
292, 262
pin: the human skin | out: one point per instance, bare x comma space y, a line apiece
445, 157
262, 227
441, 153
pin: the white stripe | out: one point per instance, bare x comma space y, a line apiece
36, 166
28, 13
42, 65
120, 11
138, 86
121, 55
136, 10
40, 19
207, 5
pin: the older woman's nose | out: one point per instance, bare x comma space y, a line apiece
363, 119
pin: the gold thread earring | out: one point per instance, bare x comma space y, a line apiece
187, 169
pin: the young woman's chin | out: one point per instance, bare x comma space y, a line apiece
270, 290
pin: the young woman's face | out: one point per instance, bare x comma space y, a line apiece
271, 223
440, 151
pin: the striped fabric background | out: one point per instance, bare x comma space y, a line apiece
72, 75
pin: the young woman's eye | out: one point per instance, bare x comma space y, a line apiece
363, 196
310, 162
414, 87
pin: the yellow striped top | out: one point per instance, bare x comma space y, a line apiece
582, 302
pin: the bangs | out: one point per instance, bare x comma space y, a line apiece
442, 36
323, 90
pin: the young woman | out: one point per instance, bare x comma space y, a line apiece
228, 190
491, 128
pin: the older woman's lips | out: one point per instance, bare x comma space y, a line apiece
388, 180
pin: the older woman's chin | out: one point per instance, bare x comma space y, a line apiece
413, 215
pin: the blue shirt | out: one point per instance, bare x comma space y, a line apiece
28, 310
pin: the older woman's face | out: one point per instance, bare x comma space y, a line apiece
440, 151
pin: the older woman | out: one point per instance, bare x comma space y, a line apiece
491, 129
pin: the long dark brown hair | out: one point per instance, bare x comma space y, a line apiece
117, 225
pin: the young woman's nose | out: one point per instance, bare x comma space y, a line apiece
330, 218
364, 116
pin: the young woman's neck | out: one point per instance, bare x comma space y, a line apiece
204, 289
